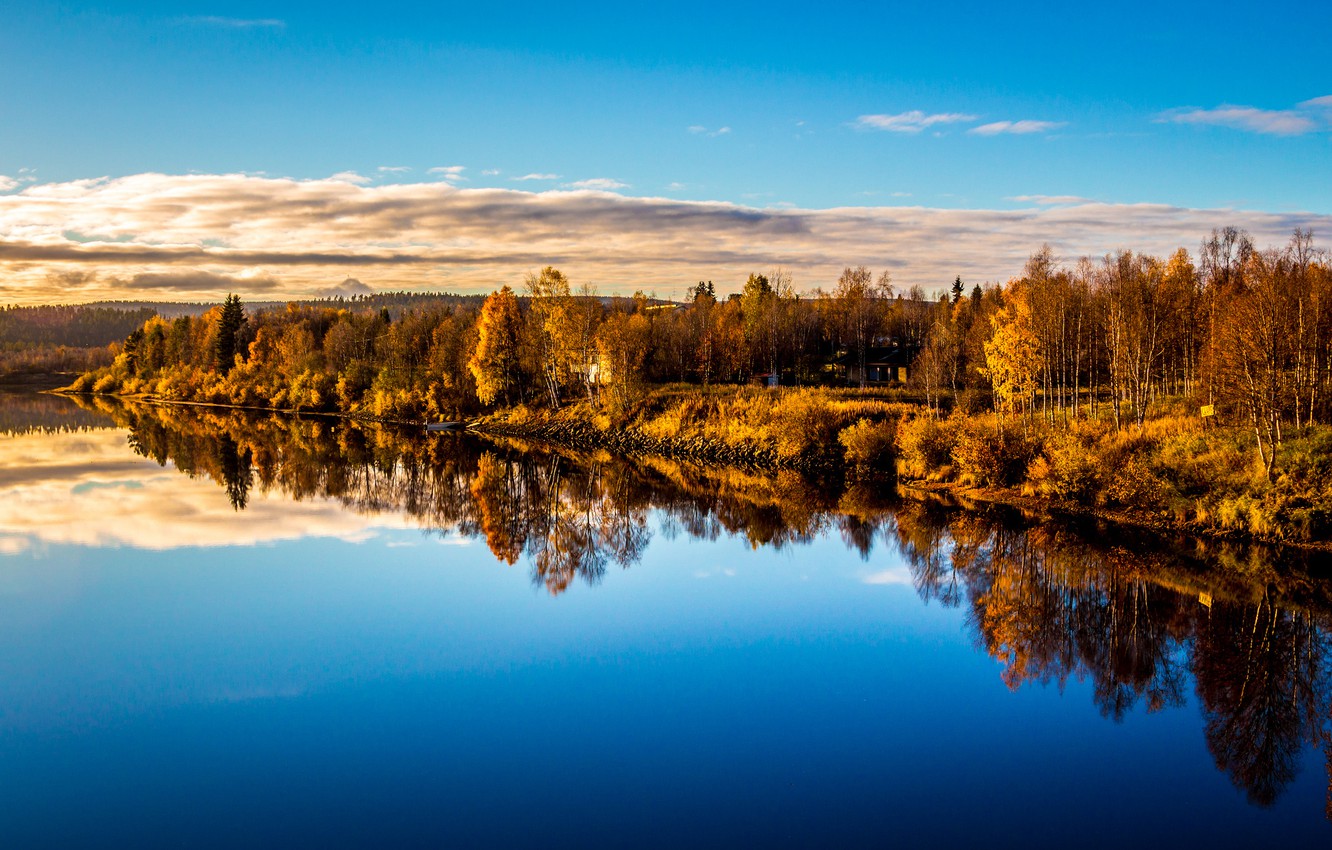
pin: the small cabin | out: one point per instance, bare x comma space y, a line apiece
883, 365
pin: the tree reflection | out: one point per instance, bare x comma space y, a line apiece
1136, 619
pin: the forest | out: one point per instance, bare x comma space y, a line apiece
1193, 389
61, 339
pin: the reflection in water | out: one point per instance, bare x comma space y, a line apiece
1137, 619
26, 412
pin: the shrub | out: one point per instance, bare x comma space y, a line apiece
1133, 484
868, 444
108, 383
993, 455
926, 445
1067, 468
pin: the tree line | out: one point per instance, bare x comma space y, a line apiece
1246, 331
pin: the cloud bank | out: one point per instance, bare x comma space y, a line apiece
200, 236
1309, 116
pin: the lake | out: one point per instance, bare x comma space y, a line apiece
221, 629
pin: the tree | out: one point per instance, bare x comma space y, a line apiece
957, 290
547, 326
495, 363
859, 305
1012, 355
621, 346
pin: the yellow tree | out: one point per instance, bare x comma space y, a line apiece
1012, 354
494, 364
549, 327
622, 343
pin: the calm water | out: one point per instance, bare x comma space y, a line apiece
225, 630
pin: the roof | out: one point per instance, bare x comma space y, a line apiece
879, 356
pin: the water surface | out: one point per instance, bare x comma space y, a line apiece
219, 629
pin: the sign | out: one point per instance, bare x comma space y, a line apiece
1208, 410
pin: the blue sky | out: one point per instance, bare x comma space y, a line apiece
959, 106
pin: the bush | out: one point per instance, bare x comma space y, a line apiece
992, 455
926, 445
1067, 468
108, 383
868, 444
1133, 484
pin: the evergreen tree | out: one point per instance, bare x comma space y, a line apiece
957, 289
228, 326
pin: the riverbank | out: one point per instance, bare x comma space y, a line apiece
1168, 476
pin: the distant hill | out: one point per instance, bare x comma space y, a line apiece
83, 326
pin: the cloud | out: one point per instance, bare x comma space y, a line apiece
601, 184
350, 177
1307, 117
286, 237
700, 130
1051, 200
395, 169
7, 183
535, 176
491, 172
448, 172
1016, 128
347, 289
894, 575
234, 23
199, 281
909, 122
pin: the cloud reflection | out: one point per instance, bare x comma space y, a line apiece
87, 489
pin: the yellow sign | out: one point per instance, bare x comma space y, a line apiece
1205, 599
1209, 410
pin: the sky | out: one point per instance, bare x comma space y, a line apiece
180, 151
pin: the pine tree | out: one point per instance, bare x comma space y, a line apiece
957, 289
228, 326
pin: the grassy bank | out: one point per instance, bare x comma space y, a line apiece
781, 429
1169, 474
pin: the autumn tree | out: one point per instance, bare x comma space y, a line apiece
547, 331
1012, 354
495, 363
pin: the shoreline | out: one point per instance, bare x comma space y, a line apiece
629, 442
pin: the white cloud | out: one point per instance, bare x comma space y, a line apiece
198, 236
1051, 200
1273, 122
7, 183
535, 176
1324, 102
602, 184
350, 177
700, 130
450, 173
895, 575
491, 172
234, 23
909, 122
394, 169
1017, 128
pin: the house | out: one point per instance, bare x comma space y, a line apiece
883, 364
